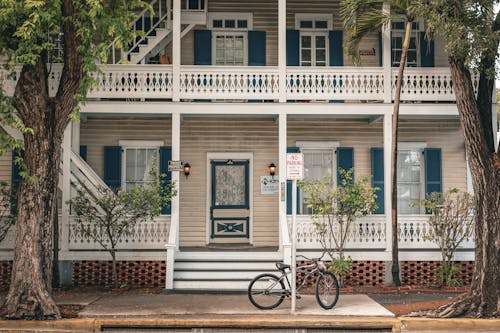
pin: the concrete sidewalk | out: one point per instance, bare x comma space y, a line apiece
160, 305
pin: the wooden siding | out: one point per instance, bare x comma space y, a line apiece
200, 136
358, 134
6, 166
96, 133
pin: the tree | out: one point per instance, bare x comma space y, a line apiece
7, 215
28, 29
451, 223
471, 29
334, 209
108, 216
360, 18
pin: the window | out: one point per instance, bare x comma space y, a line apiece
409, 177
230, 38
138, 161
397, 38
230, 48
314, 46
319, 162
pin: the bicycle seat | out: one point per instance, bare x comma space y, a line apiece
281, 266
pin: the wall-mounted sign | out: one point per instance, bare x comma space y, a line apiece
269, 185
294, 166
175, 166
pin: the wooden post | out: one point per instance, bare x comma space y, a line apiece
282, 50
386, 57
176, 51
66, 189
387, 176
283, 223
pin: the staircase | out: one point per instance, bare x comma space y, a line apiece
154, 32
224, 272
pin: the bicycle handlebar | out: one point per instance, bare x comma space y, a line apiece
312, 259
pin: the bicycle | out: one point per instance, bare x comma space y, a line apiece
273, 291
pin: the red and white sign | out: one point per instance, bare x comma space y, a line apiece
294, 166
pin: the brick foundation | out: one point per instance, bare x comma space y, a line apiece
422, 273
150, 274
5, 273
362, 273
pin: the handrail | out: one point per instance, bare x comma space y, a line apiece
87, 170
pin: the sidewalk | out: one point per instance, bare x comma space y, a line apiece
142, 311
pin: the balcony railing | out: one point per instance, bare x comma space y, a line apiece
224, 83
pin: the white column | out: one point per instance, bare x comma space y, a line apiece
66, 188
386, 56
75, 136
387, 177
283, 223
176, 50
494, 116
282, 49
176, 156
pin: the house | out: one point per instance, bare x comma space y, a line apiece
230, 87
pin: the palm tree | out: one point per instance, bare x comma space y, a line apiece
360, 18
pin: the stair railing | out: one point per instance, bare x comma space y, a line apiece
161, 10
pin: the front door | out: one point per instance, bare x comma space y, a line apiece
230, 201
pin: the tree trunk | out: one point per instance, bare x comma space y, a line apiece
55, 265
483, 298
394, 158
115, 269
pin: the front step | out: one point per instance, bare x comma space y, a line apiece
221, 271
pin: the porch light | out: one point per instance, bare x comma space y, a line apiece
272, 169
186, 169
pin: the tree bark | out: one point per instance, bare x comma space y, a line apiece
483, 298
115, 270
394, 158
30, 288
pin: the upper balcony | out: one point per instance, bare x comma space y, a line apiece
221, 50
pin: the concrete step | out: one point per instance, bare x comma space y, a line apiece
218, 275
224, 265
197, 285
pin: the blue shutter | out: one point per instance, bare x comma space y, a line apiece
377, 157
336, 48
165, 156
256, 48
15, 180
345, 161
292, 48
113, 166
433, 174
289, 186
203, 47
380, 48
426, 51
83, 152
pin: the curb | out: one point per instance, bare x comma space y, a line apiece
401, 324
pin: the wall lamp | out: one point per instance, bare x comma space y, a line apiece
186, 168
272, 169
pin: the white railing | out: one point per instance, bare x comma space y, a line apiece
132, 81
81, 172
427, 84
142, 27
414, 233
150, 235
366, 233
335, 83
231, 83
223, 82
369, 232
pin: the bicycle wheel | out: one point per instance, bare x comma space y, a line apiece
327, 290
266, 291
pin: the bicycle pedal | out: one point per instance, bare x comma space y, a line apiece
298, 296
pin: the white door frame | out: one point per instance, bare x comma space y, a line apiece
228, 156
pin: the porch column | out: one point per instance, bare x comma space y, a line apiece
176, 51
282, 50
173, 236
65, 185
285, 244
386, 56
75, 136
387, 177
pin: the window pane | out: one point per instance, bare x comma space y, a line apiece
409, 181
219, 44
217, 23
413, 43
130, 164
242, 24
306, 55
321, 24
230, 24
306, 24
193, 4
320, 56
306, 41
320, 63
320, 42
